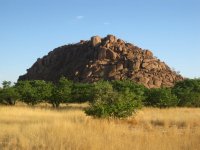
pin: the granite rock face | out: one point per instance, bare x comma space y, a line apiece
106, 58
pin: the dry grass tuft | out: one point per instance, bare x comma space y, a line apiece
26, 128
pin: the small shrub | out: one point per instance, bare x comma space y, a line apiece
113, 104
100, 88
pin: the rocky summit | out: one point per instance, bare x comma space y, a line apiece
106, 58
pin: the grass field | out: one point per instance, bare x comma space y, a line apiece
27, 128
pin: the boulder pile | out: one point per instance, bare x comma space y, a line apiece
106, 58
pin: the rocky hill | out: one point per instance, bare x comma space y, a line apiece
106, 58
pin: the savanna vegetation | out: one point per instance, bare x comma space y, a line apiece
45, 115
117, 99
41, 127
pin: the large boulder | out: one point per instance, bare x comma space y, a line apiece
111, 38
111, 54
102, 53
95, 40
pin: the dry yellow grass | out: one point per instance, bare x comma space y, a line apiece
27, 128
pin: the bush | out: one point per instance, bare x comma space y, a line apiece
101, 88
123, 85
109, 103
8, 95
162, 97
188, 92
81, 92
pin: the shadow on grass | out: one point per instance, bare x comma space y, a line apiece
62, 107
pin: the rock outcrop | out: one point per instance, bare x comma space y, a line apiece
106, 58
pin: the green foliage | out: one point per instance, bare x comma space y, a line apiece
114, 104
33, 92
123, 85
82, 92
61, 92
6, 84
101, 88
107, 98
108, 102
8, 95
162, 98
188, 92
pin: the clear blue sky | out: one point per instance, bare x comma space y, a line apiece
29, 29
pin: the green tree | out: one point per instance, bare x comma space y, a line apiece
123, 85
61, 92
6, 84
81, 92
161, 97
188, 92
34, 91
8, 95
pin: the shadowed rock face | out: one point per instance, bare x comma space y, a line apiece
106, 58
